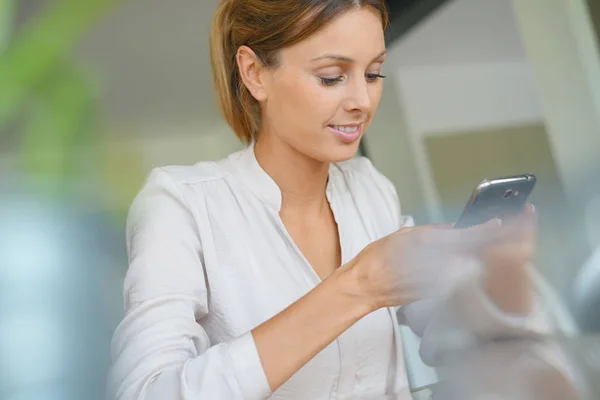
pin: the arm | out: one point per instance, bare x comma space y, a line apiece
468, 308
481, 301
472, 304
468, 337
315, 320
160, 350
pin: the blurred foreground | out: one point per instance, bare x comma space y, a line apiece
94, 94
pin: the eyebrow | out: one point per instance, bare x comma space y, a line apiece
344, 58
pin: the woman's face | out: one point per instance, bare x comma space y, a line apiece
323, 95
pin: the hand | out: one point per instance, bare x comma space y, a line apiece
506, 278
535, 370
406, 265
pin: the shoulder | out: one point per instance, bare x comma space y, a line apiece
177, 180
189, 174
168, 192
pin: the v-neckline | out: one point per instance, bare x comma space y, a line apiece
335, 211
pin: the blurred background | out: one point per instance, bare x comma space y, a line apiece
95, 93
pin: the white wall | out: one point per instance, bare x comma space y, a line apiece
464, 68
467, 96
462, 32
183, 144
451, 98
128, 154
151, 61
389, 147
562, 49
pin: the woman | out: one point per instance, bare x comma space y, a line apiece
279, 270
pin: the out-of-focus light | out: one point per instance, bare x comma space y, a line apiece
32, 349
53, 333
30, 246
592, 221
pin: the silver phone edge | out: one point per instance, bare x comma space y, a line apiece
490, 182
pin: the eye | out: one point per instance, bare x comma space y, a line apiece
373, 77
331, 81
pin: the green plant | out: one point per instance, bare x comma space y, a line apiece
40, 83
6, 11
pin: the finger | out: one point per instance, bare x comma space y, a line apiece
525, 221
492, 225
527, 213
406, 229
444, 226
430, 229
438, 226
475, 236
531, 213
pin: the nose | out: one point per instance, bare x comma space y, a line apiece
359, 98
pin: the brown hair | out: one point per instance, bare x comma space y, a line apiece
266, 26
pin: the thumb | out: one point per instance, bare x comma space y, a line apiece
442, 226
435, 227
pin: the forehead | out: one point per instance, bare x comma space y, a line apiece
357, 34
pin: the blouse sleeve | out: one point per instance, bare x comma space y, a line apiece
160, 350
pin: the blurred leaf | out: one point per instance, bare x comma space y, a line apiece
122, 170
56, 128
6, 15
47, 38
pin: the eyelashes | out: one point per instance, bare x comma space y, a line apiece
331, 81
374, 77
337, 79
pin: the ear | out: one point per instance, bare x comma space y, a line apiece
251, 69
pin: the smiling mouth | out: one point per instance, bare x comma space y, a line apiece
347, 133
345, 128
351, 128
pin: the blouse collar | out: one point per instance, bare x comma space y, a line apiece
246, 167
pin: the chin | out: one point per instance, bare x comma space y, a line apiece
341, 152
328, 151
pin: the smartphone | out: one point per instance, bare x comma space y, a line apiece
496, 198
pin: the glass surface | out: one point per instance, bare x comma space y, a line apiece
93, 94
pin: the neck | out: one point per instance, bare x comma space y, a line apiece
302, 180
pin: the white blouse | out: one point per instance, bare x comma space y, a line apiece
210, 259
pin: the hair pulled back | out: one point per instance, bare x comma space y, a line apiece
266, 26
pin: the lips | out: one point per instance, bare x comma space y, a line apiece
347, 133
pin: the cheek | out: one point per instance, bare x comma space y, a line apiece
375, 92
305, 102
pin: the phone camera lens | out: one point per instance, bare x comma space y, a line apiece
508, 194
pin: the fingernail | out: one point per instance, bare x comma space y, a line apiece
496, 221
531, 208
